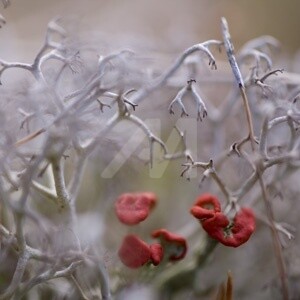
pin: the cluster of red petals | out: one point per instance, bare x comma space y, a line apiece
133, 208
233, 234
135, 253
175, 244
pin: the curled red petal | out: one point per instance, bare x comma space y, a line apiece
157, 253
134, 252
231, 234
244, 225
215, 226
133, 208
206, 206
176, 245
202, 213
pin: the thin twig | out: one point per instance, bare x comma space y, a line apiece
238, 77
151, 137
275, 238
81, 291
162, 79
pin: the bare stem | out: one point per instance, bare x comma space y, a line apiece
29, 137
238, 77
61, 190
18, 275
275, 238
249, 117
162, 79
81, 291
220, 183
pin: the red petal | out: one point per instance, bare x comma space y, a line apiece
134, 252
215, 226
133, 208
157, 253
206, 206
244, 225
176, 244
202, 213
242, 228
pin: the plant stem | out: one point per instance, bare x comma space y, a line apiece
275, 239
249, 117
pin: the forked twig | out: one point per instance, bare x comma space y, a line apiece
189, 89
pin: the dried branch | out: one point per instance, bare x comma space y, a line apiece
185, 153
236, 71
275, 238
162, 79
44, 191
151, 137
189, 89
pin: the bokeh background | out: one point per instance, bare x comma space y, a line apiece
174, 24
168, 26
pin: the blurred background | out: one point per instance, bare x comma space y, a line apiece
168, 26
174, 24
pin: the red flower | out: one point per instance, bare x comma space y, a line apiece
174, 245
135, 253
205, 207
133, 208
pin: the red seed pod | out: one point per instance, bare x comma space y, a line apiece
133, 208
205, 207
175, 246
134, 252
